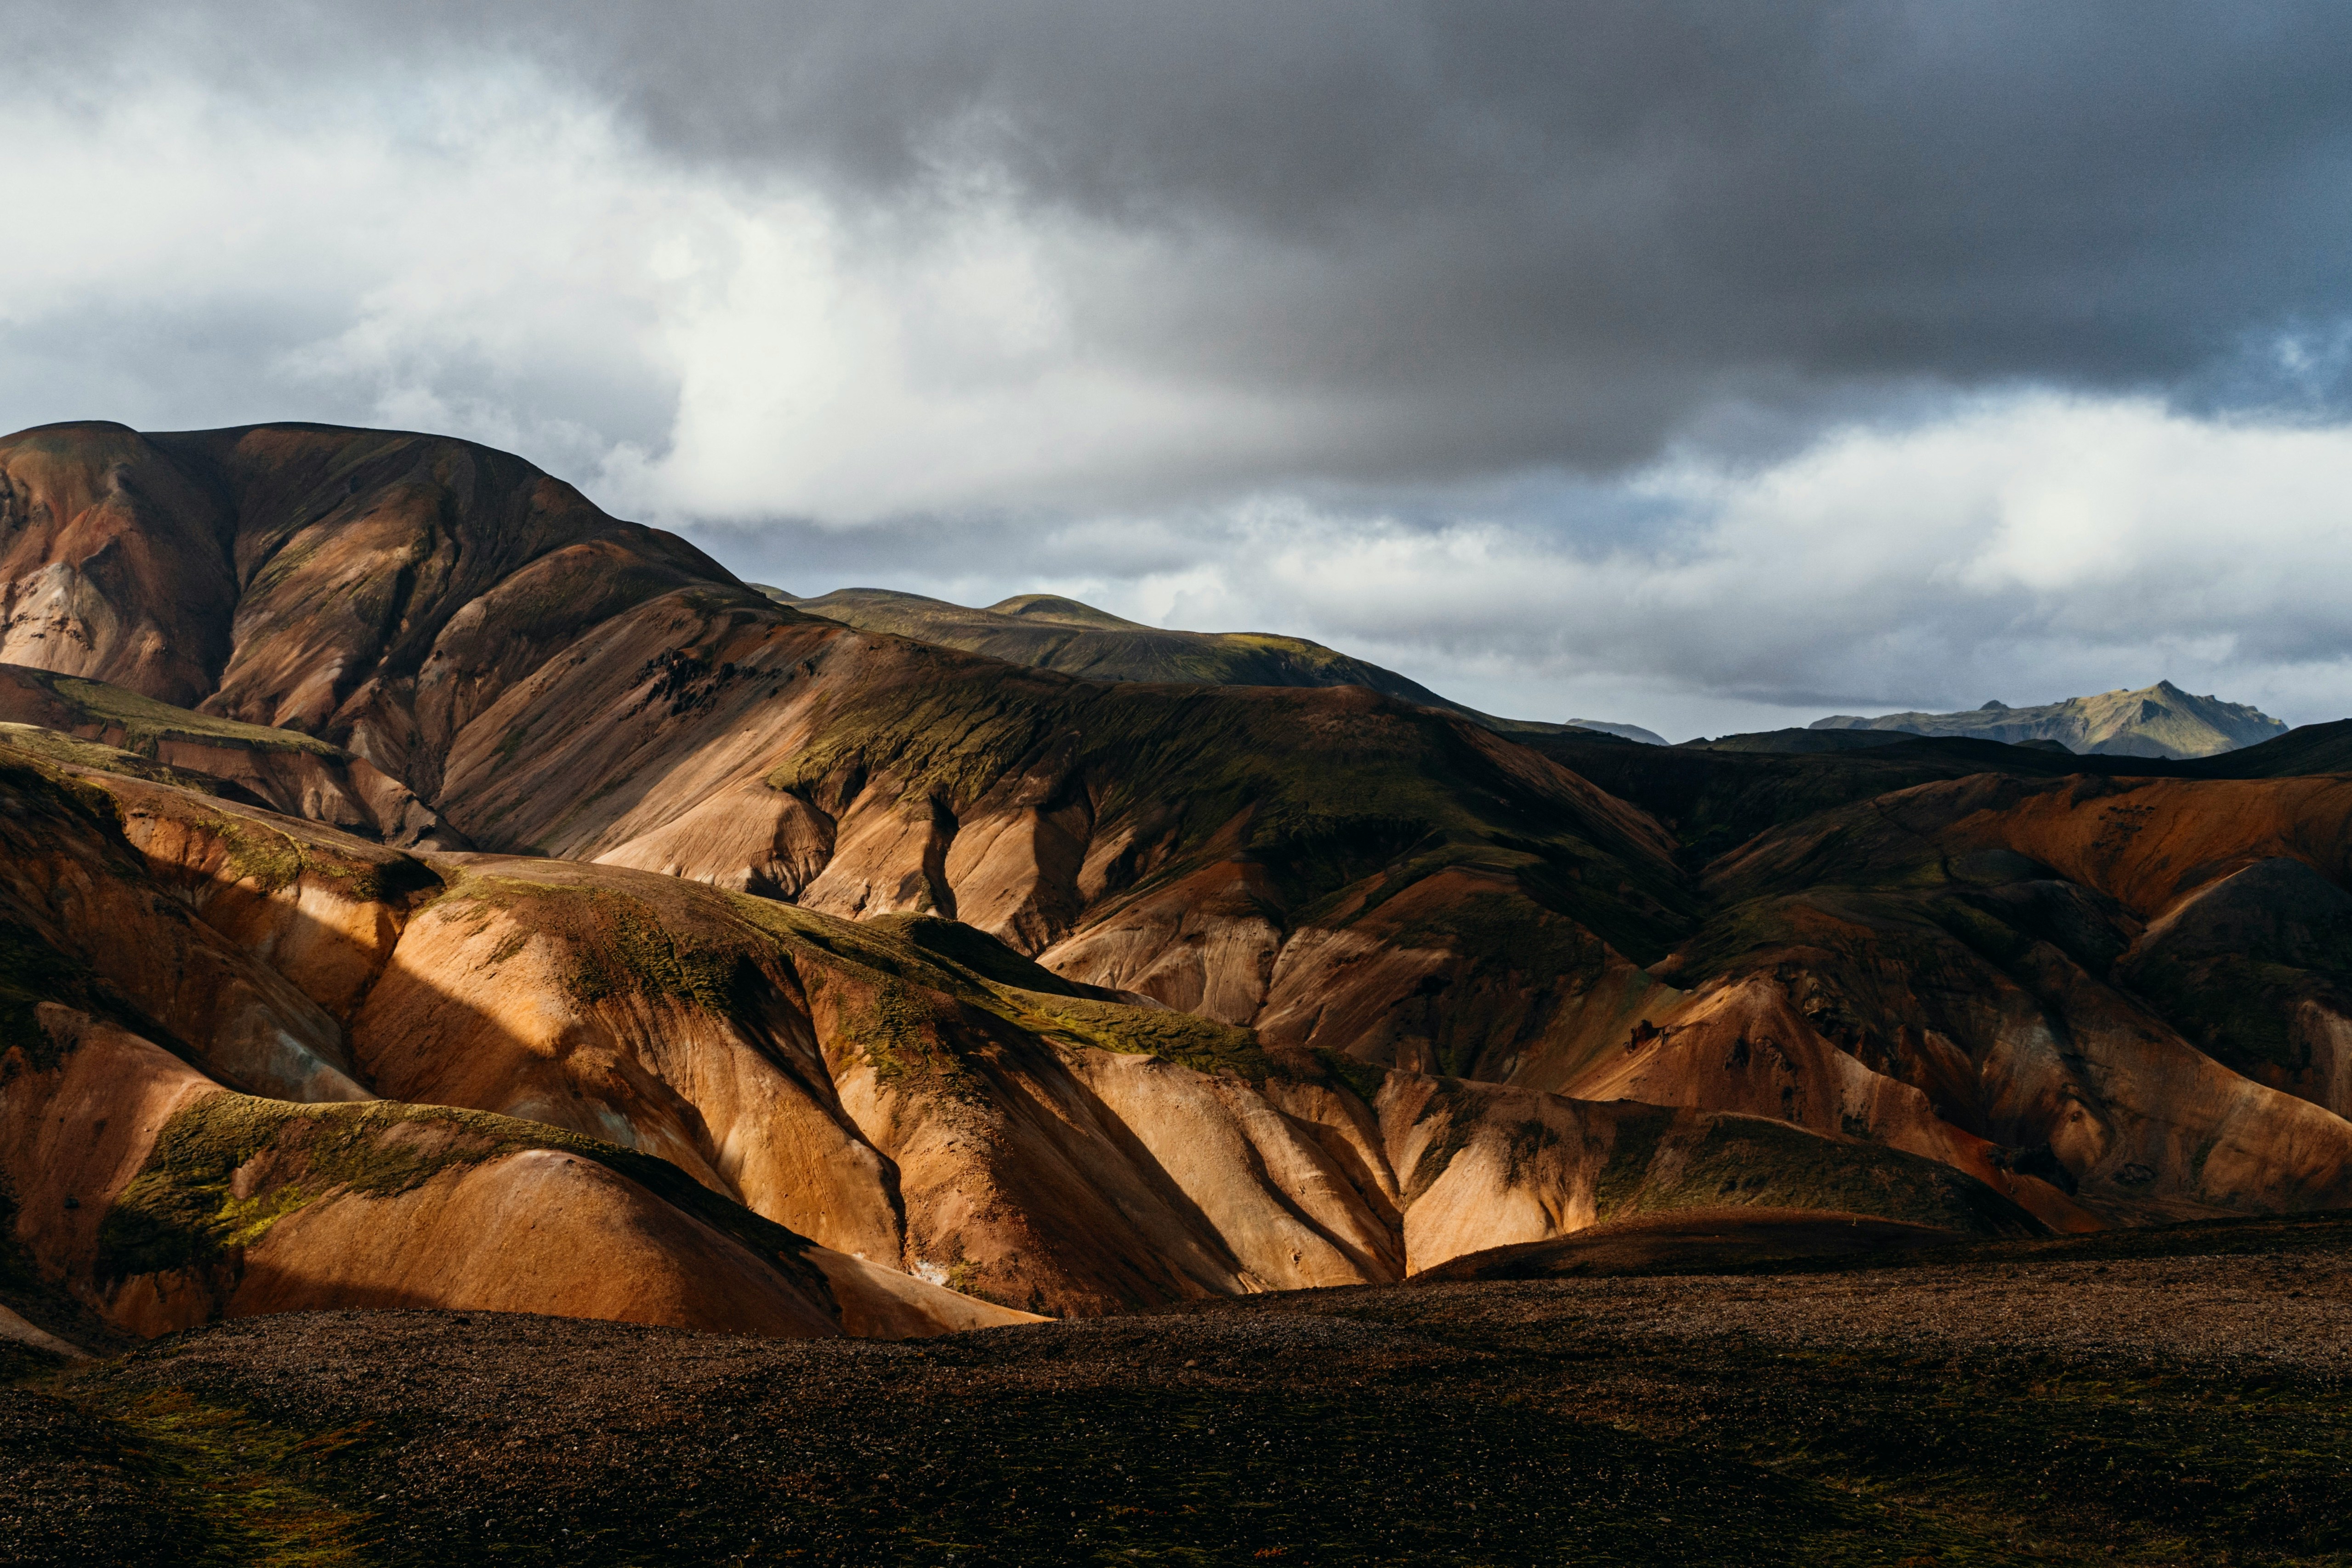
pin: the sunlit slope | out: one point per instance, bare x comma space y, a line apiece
2161, 720
249, 1065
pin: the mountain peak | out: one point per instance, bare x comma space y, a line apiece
2159, 721
1060, 611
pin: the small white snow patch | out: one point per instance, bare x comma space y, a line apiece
930, 1273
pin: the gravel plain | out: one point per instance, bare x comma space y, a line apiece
2043, 1403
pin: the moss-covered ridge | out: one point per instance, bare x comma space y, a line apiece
931, 1005
929, 993
1322, 789
229, 1166
57, 746
1050, 632
145, 722
1666, 1160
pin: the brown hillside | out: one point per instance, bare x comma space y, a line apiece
693, 1080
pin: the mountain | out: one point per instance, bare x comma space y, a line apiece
1045, 994
250, 1064
1622, 732
1050, 632
371, 589
285, 770
2162, 721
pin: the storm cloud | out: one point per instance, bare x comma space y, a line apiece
1489, 339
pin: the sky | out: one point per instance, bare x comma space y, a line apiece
1703, 366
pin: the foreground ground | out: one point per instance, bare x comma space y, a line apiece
2148, 1397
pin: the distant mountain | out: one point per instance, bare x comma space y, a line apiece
1050, 632
2159, 721
1622, 732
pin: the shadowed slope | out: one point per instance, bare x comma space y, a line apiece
1049, 631
2131, 987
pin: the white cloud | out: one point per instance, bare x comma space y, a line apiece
2029, 547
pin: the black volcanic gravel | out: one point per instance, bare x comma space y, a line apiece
2027, 1407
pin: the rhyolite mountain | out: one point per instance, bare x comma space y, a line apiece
2162, 721
1063, 994
1052, 632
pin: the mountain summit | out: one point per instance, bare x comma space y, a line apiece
2159, 721
1049, 631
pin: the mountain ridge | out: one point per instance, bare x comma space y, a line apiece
2159, 721
1049, 631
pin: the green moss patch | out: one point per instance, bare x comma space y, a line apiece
1362, 1079
1201, 1044
273, 859
56, 746
182, 1210
1717, 1161
243, 1488
624, 944
145, 722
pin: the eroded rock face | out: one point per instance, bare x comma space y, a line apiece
506, 667
591, 1089
2128, 988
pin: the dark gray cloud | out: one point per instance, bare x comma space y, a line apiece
1705, 365
1503, 233
1488, 235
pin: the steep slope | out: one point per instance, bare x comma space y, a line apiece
678, 1085
285, 770
2134, 988
1049, 631
2161, 720
1315, 862
140, 1186
369, 588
